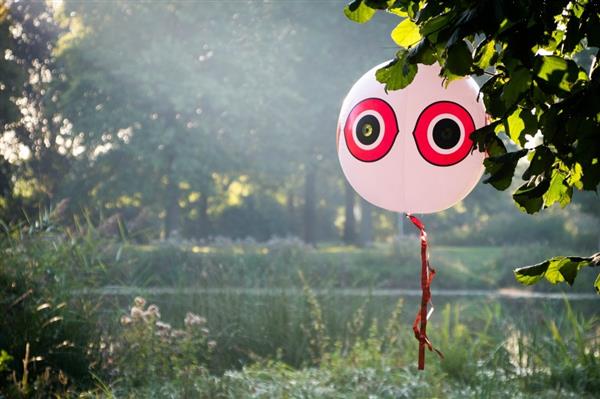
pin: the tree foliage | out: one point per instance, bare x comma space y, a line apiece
540, 61
209, 118
27, 36
212, 121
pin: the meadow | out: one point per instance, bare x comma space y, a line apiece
89, 316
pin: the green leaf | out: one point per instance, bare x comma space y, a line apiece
502, 168
558, 191
575, 175
553, 274
495, 147
519, 124
435, 24
597, 284
398, 11
541, 162
485, 139
378, 4
549, 124
528, 197
397, 74
5, 360
519, 83
359, 12
569, 269
530, 275
406, 33
550, 65
492, 90
421, 53
558, 72
556, 39
514, 125
458, 61
563, 268
484, 53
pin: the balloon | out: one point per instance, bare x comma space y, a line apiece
409, 150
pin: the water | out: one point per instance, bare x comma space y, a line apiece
509, 293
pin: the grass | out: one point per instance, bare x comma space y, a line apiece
277, 264
250, 327
489, 351
309, 341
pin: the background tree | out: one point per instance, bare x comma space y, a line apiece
217, 115
35, 143
11, 82
143, 107
211, 121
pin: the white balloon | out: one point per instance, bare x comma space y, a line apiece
409, 150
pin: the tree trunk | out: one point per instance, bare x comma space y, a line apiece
366, 224
172, 189
171, 200
204, 224
291, 213
401, 233
310, 205
5, 180
349, 236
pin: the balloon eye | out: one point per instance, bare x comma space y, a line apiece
370, 129
367, 129
446, 133
442, 133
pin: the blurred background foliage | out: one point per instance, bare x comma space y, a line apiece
175, 119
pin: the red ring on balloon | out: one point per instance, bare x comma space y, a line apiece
384, 113
428, 149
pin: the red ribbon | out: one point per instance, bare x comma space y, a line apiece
427, 274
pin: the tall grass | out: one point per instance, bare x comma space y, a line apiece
308, 342
490, 352
48, 338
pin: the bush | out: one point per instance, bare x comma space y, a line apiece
507, 229
47, 340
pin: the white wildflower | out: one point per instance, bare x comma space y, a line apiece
139, 302
153, 311
163, 326
192, 319
137, 313
178, 334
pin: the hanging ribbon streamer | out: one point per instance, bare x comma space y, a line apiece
427, 274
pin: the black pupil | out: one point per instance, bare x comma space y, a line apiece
446, 133
367, 129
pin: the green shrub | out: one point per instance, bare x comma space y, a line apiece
47, 339
514, 229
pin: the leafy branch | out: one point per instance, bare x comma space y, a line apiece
541, 62
558, 269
